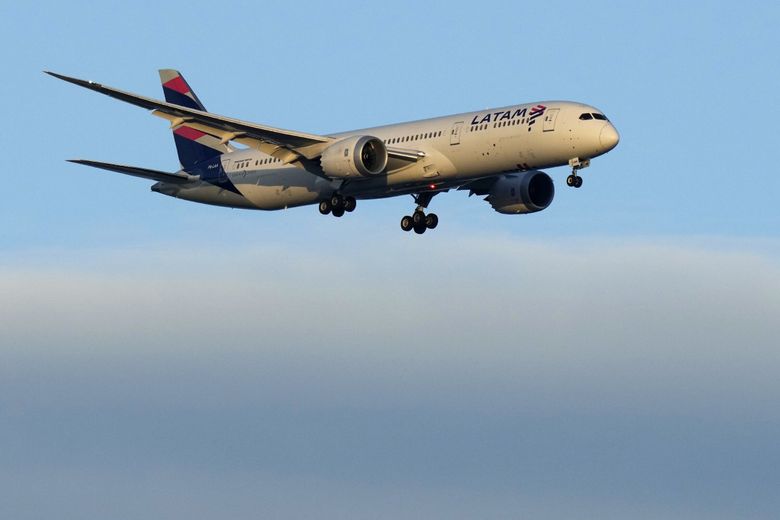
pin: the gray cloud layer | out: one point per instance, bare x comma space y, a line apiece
454, 377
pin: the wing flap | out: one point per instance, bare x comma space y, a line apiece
135, 171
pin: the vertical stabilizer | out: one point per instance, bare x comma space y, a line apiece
192, 145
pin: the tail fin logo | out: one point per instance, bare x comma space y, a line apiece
177, 90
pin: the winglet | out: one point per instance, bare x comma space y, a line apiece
75, 81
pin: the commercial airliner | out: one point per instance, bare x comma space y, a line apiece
496, 153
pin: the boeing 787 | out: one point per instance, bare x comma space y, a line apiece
497, 153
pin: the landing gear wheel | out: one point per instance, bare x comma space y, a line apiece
406, 223
337, 201
338, 211
571, 180
419, 221
578, 182
431, 221
325, 207
350, 204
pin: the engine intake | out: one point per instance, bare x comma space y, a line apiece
357, 156
525, 192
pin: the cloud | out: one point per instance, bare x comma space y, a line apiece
624, 379
482, 312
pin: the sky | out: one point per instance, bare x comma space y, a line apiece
613, 356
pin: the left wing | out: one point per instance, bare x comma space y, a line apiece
285, 145
144, 173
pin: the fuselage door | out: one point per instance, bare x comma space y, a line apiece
455, 133
549, 119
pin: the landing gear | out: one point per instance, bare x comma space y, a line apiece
338, 205
419, 221
407, 223
431, 221
574, 180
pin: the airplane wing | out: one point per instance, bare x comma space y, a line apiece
479, 186
144, 173
286, 145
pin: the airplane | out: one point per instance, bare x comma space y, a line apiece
497, 153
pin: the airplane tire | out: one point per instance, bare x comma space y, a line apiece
337, 201
578, 182
338, 212
350, 204
418, 217
324, 207
420, 228
570, 180
406, 223
431, 221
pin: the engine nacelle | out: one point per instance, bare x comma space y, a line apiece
525, 192
357, 156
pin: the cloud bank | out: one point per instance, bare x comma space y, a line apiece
452, 377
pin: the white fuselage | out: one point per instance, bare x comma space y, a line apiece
456, 148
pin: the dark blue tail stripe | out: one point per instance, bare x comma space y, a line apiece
190, 152
171, 96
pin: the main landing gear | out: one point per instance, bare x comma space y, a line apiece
574, 180
419, 221
338, 205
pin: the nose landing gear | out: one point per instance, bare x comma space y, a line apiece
574, 180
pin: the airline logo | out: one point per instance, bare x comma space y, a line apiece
510, 115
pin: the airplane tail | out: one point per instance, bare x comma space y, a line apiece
193, 146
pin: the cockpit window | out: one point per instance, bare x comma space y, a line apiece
600, 117
585, 117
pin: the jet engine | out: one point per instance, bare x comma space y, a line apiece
525, 192
357, 156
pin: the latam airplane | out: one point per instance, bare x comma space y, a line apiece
495, 153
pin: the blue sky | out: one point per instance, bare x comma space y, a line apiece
613, 356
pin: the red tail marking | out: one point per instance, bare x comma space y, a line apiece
178, 84
189, 133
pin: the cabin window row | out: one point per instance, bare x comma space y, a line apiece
417, 137
261, 162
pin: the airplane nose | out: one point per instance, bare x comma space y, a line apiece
609, 138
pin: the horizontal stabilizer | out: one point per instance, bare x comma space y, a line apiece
144, 173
